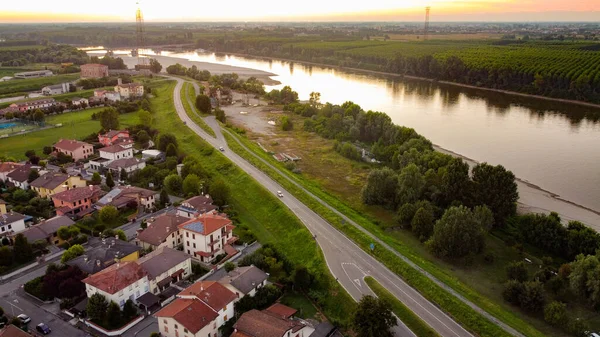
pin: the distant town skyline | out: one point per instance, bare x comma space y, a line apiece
310, 10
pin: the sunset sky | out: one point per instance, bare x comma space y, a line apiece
318, 10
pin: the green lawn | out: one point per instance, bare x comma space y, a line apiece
34, 84
187, 91
76, 125
299, 302
268, 219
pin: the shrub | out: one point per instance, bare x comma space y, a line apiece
517, 271
555, 314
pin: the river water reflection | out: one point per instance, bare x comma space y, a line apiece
549, 144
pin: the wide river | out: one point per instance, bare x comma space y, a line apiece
549, 144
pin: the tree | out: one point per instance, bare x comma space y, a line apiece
484, 216
65, 233
191, 185
229, 266
121, 234
47, 150
145, 117
315, 99
96, 179
38, 116
113, 315
203, 104
155, 66
496, 188
164, 197
219, 192
584, 278
286, 123
109, 215
33, 175
6, 256
96, 307
171, 151
410, 184
164, 140
513, 291
373, 318
129, 310
123, 175
220, 115
555, 314
71, 253
380, 188
422, 223
143, 138
456, 184
302, 278
457, 234
29, 153
22, 249
109, 119
533, 296
109, 180
517, 271
173, 184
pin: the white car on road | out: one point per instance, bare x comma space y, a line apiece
24, 318
279, 194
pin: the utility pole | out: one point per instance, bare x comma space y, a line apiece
426, 35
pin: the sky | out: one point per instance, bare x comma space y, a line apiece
305, 10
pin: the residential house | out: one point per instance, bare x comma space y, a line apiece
74, 148
127, 164
206, 236
41, 104
162, 231
2, 207
55, 182
19, 176
165, 266
11, 223
101, 95
129, 90
111, 137
6, 168
56, 89
215, 295
33, 74
196, 206
118, 283
245, 280
78, 101
122, 196
111, 251
270, 323
93, 70
12, 331
48, 230
77, 201
117, 151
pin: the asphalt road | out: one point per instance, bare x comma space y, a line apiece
346, 261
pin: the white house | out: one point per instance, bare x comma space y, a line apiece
78, 101
165, 266
207, 236
11, 223
127, 164
162, 231
120, 282
245, 280
129, 90
56, 89
196, 206
117, 151
19, 176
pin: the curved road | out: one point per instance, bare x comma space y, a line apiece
346, 261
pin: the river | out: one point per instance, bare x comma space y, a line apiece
549, 144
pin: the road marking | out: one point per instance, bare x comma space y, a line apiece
357, 282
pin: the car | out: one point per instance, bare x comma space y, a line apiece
221, 149
24, 318
43, 328
279, 194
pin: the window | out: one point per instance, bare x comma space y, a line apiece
188, 243
166, 329
194, 245
176, 327
185, 330
3, 228
193, 236
187, 235
9, 226
225, 318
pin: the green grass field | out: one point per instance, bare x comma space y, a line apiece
76, 125
34, 84
299, 302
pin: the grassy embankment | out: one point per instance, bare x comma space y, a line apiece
187, 92
13, 87
449, 303
412, 321
268, 219
75, 125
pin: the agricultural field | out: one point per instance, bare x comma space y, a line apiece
33, 84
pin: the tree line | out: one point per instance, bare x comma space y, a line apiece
50, 54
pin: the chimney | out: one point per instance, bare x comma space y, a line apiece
119, 81
91, 187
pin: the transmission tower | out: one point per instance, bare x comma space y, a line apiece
426, 35
139, 34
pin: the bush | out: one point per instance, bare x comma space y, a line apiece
513, 291
517, 271
555, 314
229, 266
34, 287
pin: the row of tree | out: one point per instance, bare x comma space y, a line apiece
50, 54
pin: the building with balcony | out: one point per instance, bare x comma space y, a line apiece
207, 236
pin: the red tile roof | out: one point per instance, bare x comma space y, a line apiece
281, 310
206, 223
13, 331
70, 144
21, 173
112, 133
79, 193
262, 324
193, 314
114, 148
116, 277
216, 295
93, 65
9, 166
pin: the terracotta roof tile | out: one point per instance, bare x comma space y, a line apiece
114, 148
193, 314
206, 223
161, 228
112, 133
20, 174
9, 166
79, 193
262, 324
70, 144
116, 277
216, 295
93, 65
13, 331
281, 310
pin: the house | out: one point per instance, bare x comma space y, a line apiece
215, 295
325, 329
110, 251
47, 230
76, 149
127, 164
41, 104
117, 151
245, 280
121, 196
206, 236
118, 283
56, 89
162, 231
109, 138
33, 74
19, 176
196, 206
12, 331
101, 95
129, 90
77, 201
78, 101
6, 168
55, 182
93, 70
153, 154
11, 223
267, 323
2, 207
165, 266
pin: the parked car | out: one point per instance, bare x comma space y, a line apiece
24, 318
221, 149
279, 194
43, 328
